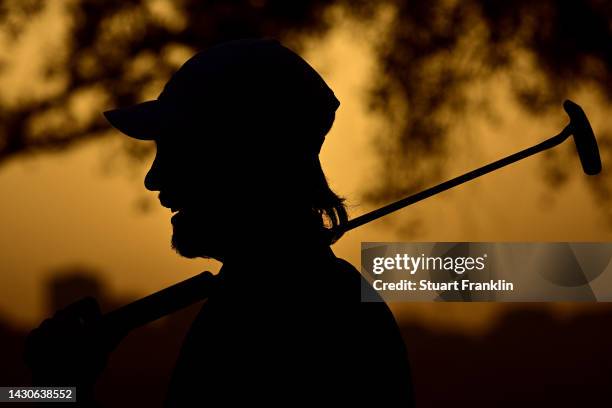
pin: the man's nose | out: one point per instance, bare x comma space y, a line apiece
152, 180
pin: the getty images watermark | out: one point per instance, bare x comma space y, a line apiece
482, 271
457, 265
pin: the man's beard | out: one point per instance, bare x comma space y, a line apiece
194, 237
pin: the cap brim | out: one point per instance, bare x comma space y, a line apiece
142, 121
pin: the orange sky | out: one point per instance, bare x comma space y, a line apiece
64, 210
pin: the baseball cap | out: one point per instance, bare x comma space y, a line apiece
257, 80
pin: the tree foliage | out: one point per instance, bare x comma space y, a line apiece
116, 52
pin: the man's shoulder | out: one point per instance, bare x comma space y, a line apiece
352, 282
343, 270
350, 286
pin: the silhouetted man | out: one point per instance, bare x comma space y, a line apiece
238, 130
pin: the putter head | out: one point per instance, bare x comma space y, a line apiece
588, 152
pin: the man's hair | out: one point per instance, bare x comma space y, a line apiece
329, 208
327, 205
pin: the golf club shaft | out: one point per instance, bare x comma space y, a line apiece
150, 308
120, 321
404, 202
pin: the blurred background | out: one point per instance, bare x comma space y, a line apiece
428, 90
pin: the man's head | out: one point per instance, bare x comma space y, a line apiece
238, 129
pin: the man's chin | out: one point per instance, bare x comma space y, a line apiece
184, 250
190, 240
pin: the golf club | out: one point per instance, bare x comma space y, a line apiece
120, 321
579, 127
